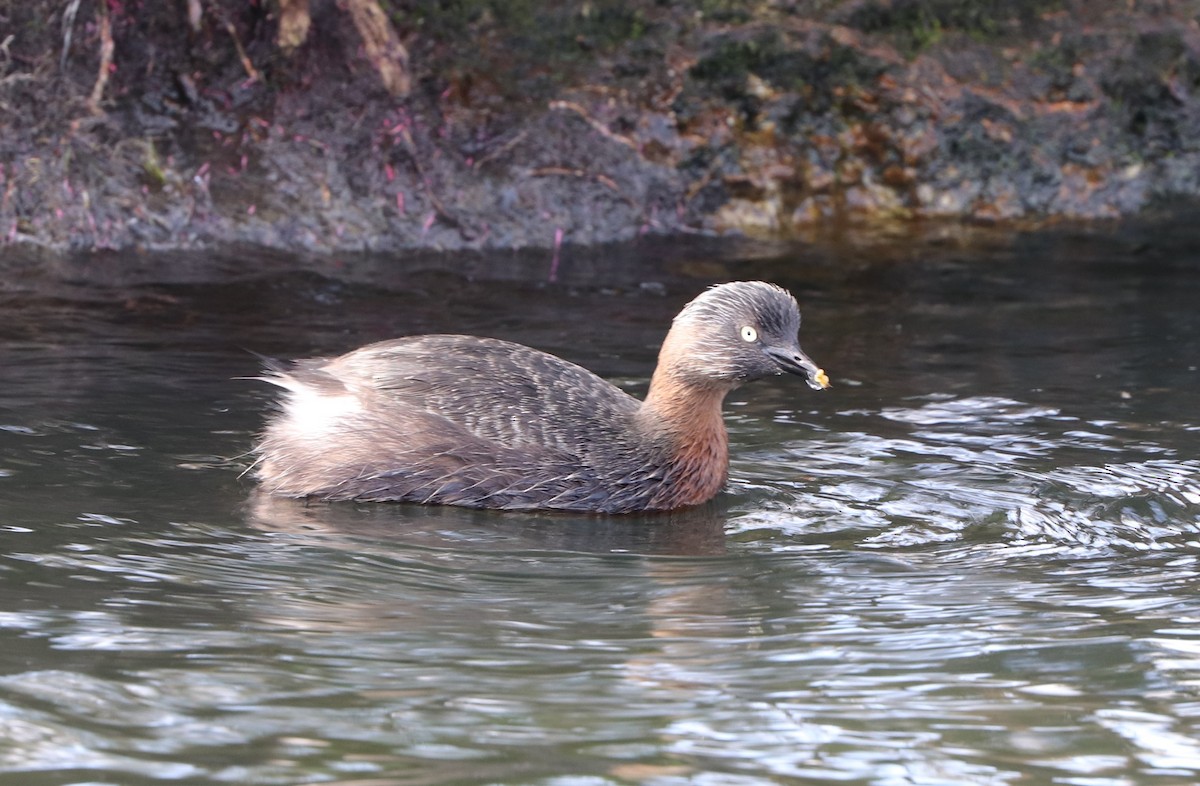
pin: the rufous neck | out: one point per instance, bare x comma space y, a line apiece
676, 401
688, 421
685, 413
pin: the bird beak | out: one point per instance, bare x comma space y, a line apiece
794, 361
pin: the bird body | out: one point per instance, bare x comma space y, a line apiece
480, 422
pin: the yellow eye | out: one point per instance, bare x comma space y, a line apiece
749, 334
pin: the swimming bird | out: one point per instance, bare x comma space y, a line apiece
485, 423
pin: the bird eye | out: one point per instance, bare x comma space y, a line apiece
749, 334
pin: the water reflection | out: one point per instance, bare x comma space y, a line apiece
694, 532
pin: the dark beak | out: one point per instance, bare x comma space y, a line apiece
794, 361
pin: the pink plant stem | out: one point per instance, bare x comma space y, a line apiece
558, 238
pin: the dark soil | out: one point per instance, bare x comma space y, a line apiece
595, 122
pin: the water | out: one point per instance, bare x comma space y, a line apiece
972, 561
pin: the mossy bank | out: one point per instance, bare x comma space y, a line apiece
187, 124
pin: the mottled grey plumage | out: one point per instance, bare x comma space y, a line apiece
460, 420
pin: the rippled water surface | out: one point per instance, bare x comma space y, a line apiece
974, 560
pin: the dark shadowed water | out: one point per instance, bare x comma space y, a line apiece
974, 560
